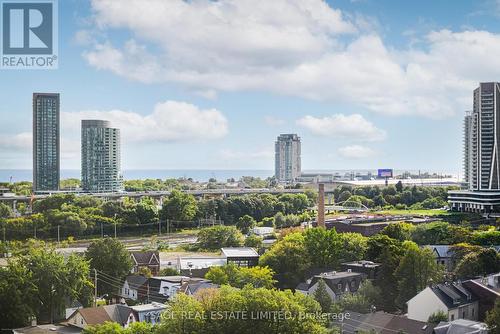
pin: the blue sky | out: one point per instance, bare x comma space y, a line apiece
210, 84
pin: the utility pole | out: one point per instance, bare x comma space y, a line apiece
95, 287
159, 226
168, 227
4, 234
115, 229
102, 231
58, 234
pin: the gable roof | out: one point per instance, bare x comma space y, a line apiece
99, 315
453, 295
441, 250
145, 258
384, 323
195, 286
136, 281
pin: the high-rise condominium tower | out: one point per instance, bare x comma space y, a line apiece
100, 157
481, 139
287, 157
45, 142
481, 153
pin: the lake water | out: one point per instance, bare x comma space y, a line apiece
196, 174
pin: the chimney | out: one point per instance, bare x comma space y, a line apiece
321, 205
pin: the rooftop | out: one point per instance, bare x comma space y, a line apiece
239, 252
149, 307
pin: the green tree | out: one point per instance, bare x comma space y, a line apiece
323, 247
253, 241
353, 247
46, 281
493, 318
288, 258
184, 316
179, 206
386, 281
115, 328
245, 224
112, 260
219, 236
215, 306
322, 297
437, 317
258, 277
399, 231
480, 263
17, 296
416, 270
5, 211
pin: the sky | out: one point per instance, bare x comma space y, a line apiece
205, 84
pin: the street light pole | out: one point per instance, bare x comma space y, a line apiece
95, 287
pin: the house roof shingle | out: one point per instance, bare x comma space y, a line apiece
145, 258
453, 295
384, 323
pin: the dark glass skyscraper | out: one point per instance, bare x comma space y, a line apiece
46, 145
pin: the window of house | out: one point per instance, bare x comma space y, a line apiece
339, 286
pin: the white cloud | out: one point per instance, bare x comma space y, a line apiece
356, 152
309, 50
20, 141
354, 127
170, 121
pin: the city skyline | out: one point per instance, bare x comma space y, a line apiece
371, 116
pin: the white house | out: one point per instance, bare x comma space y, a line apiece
452, 298
337, 283
134, 287
149, 313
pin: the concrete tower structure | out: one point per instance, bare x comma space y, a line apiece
287, 158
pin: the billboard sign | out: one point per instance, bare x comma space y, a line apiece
385, 173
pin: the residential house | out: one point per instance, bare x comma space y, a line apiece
91, 316
461, 326
241, 256
149, 313
443, 255
369, 268
147, 260
164, 288
382, 323
192, 287
452, 298
491, 281
337, 283
487, 295
134, 287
